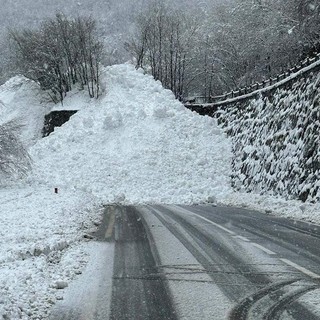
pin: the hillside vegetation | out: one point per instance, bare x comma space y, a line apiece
276, 141
194, 47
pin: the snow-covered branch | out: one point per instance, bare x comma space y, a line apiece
14, 159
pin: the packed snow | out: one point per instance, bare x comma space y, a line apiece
136, 144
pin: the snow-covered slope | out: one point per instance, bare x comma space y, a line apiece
136, 144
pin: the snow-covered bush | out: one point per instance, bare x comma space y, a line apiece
14, 159
276, 141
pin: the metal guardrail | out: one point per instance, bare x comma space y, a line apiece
249, 91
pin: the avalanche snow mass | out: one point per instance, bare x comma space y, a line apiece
136, 144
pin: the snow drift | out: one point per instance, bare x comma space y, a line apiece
136, 144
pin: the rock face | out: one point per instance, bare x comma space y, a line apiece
56, 119
276, 141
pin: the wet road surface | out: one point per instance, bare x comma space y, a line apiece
259, 266
139, 291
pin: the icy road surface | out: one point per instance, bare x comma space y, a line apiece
198, 262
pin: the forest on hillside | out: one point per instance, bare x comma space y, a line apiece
194, 47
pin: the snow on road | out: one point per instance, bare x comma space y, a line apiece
135, 144
89, 296
194, 294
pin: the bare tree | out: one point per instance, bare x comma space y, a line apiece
14, 159
62, 53
163, 46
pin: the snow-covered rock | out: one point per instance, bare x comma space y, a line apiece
276, 142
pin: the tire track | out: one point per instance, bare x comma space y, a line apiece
138, 289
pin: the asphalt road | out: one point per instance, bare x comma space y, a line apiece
269, 284
216, 262
138, 290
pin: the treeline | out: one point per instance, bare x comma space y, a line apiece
228, 45
162, 46
193, 47
61, 54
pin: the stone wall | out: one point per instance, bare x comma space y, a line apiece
55, 119
276, 141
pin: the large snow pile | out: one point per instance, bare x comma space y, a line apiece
136, 144
276, 142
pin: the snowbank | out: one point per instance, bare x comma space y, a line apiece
40, 248
137, 144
